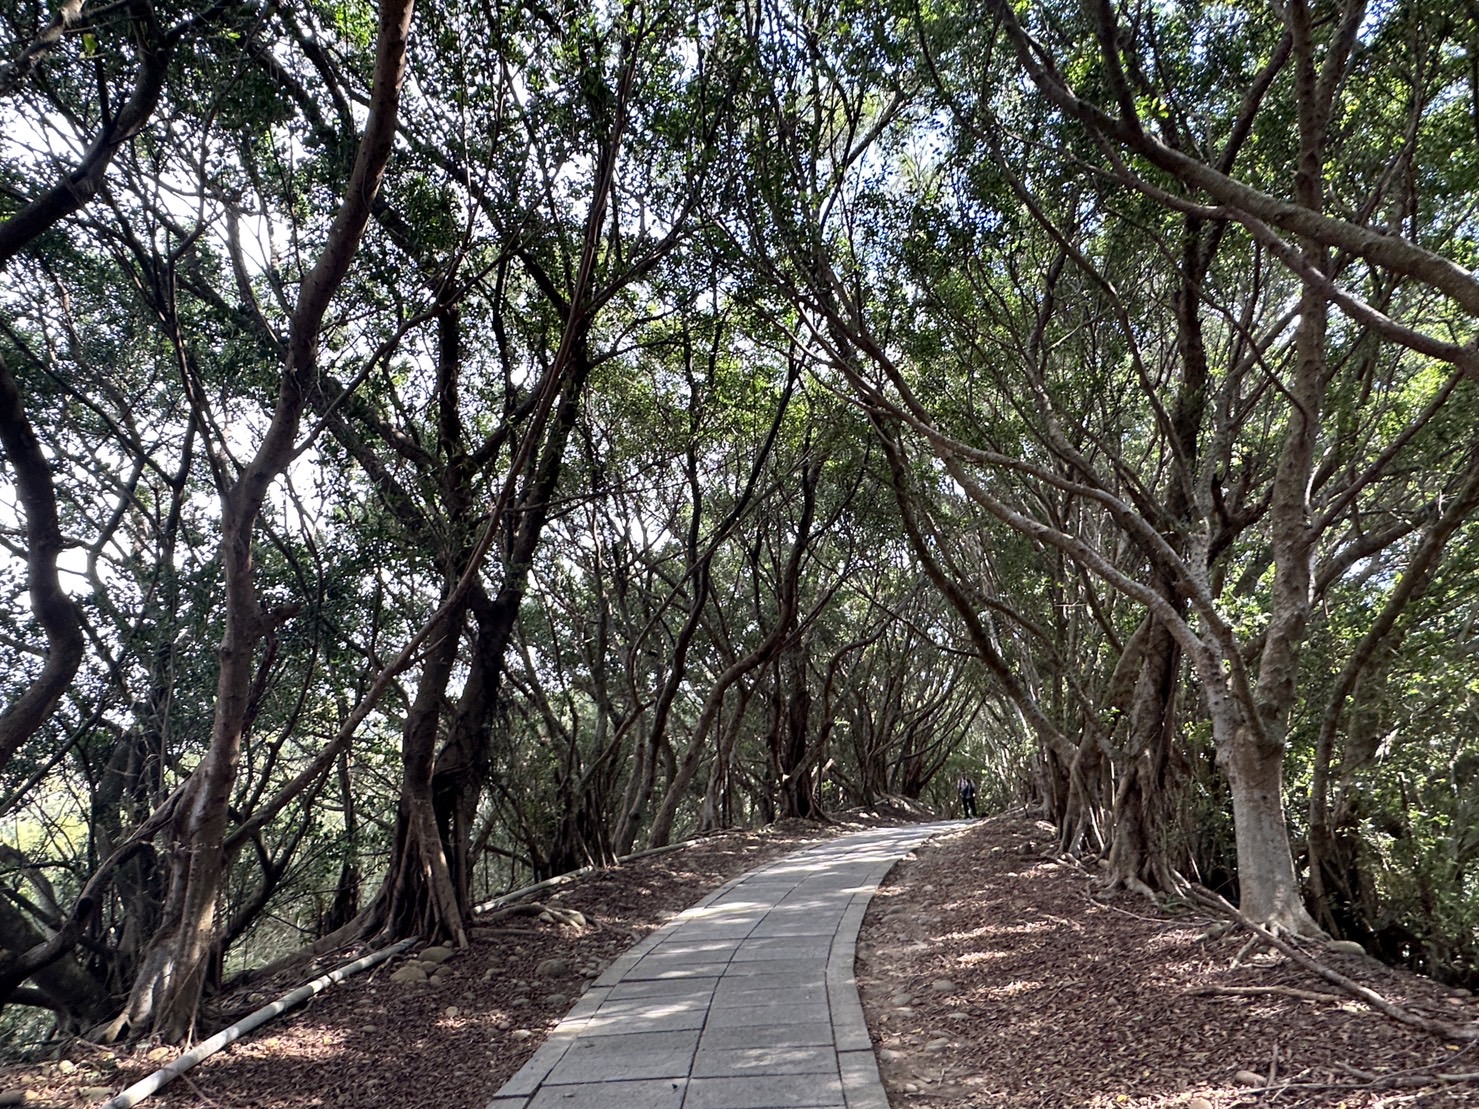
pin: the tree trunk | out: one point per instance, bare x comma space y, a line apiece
345, 905
418, 896
179, 962
1268, 890
54, 610
1137, 853
792, 745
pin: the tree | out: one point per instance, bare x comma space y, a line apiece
166, 994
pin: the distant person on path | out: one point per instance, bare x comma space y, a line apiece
967, 796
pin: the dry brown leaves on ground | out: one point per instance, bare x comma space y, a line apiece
990, 975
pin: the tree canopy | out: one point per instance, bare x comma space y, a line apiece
445, 447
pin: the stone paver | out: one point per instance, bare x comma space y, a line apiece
745, 1001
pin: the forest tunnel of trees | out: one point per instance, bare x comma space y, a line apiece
446, 447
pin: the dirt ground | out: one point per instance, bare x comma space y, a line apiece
991, 975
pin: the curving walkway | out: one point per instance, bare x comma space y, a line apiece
745, 1001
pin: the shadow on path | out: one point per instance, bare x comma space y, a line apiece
744, 1001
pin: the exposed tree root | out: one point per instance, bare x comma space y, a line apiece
1256, 991
1464, 1033
1406, 1078
536, 909
1417, 1076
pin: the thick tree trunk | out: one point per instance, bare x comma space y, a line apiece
54, 610
418, 896
181, 958
177, 967
1268, 890
1138, 853
1080, 815
792, 748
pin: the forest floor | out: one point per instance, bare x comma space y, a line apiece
991, 975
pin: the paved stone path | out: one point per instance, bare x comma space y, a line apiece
745, 1001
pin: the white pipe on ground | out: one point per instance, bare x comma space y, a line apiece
206, 1048
571, 876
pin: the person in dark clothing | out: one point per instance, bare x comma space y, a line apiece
967, 796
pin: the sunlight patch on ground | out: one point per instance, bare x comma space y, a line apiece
975, 958
1174, 940
1012, 989
980, 933
301, 1045
454, 1017
1026, 929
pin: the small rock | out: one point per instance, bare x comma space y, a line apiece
1248, 1078
520, 1034
942, 985
369, 1029
889, 1054
1346, 947
552, 968
95, 1093
940, 1043
438, 979
436, 954
518, 1001
901, 998
557, 1001
66, 1066
450, 1012
957, 1016
410, 974
1198, 1103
